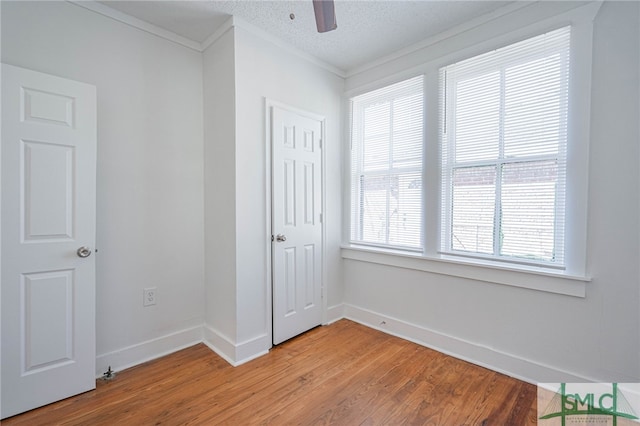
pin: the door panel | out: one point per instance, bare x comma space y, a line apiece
290, 281
48, 212
309, 191
47, 191
289, 196
48, 319
309, 275
296, 192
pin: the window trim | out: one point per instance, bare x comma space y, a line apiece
528, 277
449, 165
573, 279
357, 109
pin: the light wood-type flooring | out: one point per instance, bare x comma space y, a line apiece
341, 374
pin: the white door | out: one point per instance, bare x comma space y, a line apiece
297, 228
48, 214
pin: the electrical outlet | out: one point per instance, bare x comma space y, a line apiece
149, 296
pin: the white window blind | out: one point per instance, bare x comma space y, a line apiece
503, 147
386, 166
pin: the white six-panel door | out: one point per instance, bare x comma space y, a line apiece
48, 223
296, 223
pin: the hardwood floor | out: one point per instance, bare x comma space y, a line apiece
342, 374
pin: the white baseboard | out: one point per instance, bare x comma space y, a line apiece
146, 351
334, 313
220, 344
252, 348
235, 354
511, 365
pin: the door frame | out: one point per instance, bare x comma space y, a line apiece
269, 104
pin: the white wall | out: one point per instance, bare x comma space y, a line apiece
153, 188
614, 195
532, 334
240, 280
220, 192
150, 168
264, 70
181, 174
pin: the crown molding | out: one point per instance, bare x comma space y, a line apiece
226, 26
459, 29
241, 23
233, 21
137, 23
587, 8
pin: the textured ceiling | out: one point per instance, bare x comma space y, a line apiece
367, 30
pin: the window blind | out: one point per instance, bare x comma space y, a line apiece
503, 147
386, 166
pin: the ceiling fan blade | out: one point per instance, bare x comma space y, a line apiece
325, 15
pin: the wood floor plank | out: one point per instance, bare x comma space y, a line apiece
292, 379
342, 374
328, 403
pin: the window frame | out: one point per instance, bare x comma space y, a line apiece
457, 46
356, 119
449, 164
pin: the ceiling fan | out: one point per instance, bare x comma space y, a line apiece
325, 15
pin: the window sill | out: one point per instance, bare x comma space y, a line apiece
533, 278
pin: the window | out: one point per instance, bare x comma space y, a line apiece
505, 156
500, 168
386, 166
504, 146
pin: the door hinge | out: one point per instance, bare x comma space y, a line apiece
320, 143
320, 217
